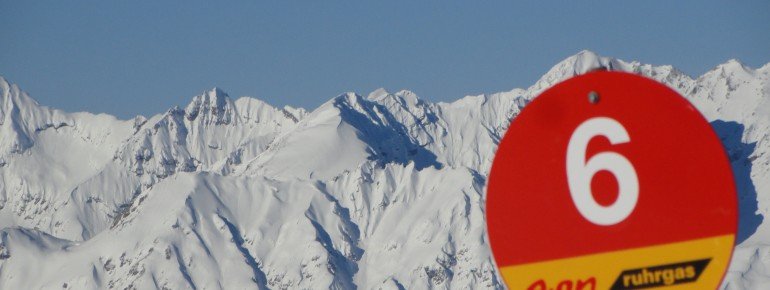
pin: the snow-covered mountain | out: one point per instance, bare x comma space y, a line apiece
384, 191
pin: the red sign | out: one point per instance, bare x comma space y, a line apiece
611, 180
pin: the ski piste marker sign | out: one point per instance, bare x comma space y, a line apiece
611, 180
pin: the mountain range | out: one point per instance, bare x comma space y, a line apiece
383, 191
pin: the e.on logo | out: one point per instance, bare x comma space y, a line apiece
587, 284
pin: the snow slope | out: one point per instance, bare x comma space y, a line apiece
384, 191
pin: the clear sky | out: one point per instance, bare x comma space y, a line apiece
142, 57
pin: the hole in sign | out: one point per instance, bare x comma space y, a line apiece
593, 97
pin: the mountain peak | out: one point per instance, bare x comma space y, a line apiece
12, 96
734, 65
733, 72
214, 106
349, 98
216, 91
586, 61
409, 96
577, 64
586, 54
378, 94
404, 98
21, 118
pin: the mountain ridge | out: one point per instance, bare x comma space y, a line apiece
585, 60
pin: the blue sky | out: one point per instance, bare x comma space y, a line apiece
142, 57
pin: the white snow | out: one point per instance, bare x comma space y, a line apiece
378, 192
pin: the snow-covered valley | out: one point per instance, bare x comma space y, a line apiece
383, 191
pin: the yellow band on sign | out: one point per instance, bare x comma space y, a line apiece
683, 265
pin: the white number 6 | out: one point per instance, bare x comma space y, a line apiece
580, 172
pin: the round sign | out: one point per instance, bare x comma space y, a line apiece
611, 180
